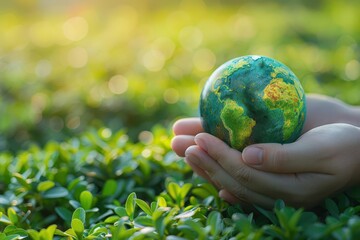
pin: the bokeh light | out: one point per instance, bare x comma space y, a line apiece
67, 66
77, 57
352, 70
75, 28
118, 84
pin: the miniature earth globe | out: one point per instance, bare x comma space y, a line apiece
253, 99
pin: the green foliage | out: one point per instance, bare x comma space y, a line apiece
144, 63
76, 190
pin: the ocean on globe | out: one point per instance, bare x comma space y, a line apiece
253, 99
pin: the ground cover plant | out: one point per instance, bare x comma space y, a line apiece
103, 186
88, 92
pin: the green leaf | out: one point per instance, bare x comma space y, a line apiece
79, 214
268, 214
78, 226
307, 219
5, 219
197, 228
46, 185
243, 223
332, 207
34, 235
72, 233
295, 217
63, 234
186, 214
44, 235
12, 215
354, 192
130, 205
160, 225
184, 190
279, 204
112, 219
86, 199
9, 229
98, 231
74, 183
22, 181
144, 221
13, 230
56, 192
144, 206
282, 217
64, 213
316, 231
121, 211
161, 202
173, 189
109, 188
48, 233
215, 223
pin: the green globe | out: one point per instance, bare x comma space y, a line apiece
253, 99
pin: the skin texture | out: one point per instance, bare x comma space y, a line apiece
322, 162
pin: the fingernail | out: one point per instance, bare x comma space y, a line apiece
253, 155
191, 159
201, 143
189, 156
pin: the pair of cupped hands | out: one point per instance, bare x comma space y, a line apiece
322, 162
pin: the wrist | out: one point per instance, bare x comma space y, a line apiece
354, 115
355, 181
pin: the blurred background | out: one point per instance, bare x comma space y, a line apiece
69, 66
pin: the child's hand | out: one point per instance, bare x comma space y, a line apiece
323, 161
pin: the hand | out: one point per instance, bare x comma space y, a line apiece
323, 161
323, 110
279, 160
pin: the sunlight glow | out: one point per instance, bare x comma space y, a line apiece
75, 28
118, 84
77, 57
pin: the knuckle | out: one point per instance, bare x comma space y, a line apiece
241, 193
215, 180
243, 174
277, 159
217, 152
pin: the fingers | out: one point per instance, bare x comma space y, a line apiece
180, 143
231, 163
185, 130
188, 126
301, 173
212, 171
232, 199
199, 171
308, 154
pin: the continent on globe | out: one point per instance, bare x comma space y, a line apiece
253, 99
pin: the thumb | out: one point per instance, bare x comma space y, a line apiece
305, 155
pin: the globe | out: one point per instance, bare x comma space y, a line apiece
253, 99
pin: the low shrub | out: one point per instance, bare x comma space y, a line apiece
101, 185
